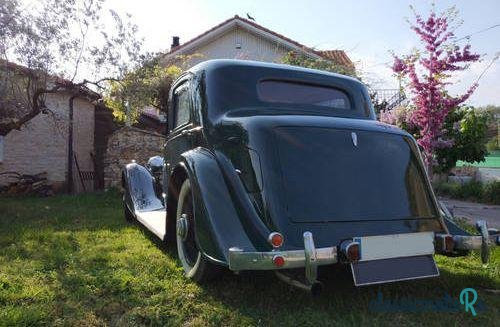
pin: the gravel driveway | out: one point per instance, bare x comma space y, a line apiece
474, 211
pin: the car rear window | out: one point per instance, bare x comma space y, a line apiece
286, 92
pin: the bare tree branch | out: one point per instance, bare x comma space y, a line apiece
53, 43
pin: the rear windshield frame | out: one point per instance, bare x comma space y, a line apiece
234, 87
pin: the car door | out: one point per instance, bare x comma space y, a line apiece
180, 123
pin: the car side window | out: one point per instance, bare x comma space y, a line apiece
181, 106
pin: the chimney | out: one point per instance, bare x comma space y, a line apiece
175, 43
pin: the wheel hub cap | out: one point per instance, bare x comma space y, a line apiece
182, 227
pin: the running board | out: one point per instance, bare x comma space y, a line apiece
155, 221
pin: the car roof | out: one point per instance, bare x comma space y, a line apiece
214, 64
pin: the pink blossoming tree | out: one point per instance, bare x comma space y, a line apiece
427, 73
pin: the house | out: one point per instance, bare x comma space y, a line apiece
234, 38
240, 38
65, 141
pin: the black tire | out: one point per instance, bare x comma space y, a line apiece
195, 265
129, 217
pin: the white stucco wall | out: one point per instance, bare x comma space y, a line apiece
252, 46
239, 43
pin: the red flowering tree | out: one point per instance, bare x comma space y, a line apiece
426, 73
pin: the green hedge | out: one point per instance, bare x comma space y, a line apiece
472, 191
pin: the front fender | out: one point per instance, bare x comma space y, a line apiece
217, 223
139, 189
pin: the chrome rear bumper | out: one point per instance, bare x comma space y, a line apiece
239, 260
311, 257
488, 238
473, 242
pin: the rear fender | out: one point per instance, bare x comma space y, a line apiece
217, 223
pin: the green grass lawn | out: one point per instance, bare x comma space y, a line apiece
74, 261
491, 161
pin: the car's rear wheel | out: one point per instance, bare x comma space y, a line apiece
195, 265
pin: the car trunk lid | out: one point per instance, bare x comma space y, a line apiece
341, 174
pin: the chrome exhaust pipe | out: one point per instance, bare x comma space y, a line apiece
314, 288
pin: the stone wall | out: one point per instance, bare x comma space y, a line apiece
126, 144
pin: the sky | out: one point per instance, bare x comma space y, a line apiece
366, 30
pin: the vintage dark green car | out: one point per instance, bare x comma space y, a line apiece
274, 167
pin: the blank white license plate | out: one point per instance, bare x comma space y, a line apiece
395, 246
390, 258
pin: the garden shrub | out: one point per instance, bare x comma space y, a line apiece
472, 191
491, 192
492, 144
446, 189
464, 134
467, 129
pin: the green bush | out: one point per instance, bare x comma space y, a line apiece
446, 189
472, 191
491, 193
492, 144
467, 128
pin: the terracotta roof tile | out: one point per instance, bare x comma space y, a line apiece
338, 56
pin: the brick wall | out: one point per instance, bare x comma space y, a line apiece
42, 144
125, 145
